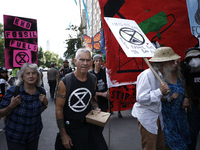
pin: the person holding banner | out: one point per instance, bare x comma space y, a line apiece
149, 92
75, 98
191, 72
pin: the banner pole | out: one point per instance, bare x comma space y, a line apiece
109, 123
152, 69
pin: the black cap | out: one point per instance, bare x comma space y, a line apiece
3, 69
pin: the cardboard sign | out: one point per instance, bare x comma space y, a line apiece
20, 41
130, 37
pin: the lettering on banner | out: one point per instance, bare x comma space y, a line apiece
23, 45
20, 34
21, 23
122, 97
20, 41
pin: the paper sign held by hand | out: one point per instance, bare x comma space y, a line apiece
130, 37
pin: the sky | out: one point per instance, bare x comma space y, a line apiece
53, 17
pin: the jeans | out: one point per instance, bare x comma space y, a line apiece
52, 85
33, 145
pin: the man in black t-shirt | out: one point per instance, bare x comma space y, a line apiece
101, 88
191, 72
65, 69
74, 101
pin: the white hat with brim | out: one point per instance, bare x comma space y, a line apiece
192, 53
163, 54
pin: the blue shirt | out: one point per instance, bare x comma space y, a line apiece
24, 123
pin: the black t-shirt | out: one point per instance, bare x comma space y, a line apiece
101, 85
193, 80
65, 71
77, 104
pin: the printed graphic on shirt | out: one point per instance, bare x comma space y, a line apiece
197, 80
79, 99
101, 85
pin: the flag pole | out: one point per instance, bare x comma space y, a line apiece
109, 122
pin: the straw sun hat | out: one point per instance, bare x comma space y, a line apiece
163, 54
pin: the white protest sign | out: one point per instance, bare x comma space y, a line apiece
130, 37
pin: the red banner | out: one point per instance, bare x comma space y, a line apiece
164, 22
122, 98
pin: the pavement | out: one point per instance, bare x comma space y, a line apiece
119, 133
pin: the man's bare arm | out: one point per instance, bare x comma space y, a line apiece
60, 102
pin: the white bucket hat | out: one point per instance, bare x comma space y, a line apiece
163, 54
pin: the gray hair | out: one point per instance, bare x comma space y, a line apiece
158, 65
20, 81
84, 50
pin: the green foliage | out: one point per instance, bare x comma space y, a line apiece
46, 58
41, 58
2, 46
51, 57
74, 41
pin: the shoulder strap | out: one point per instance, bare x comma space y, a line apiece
40, 90
67, 81
16, 90
92, 76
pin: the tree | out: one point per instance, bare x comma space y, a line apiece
51, 57
41, 58
74, 41
2, 46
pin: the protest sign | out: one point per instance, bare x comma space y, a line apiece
20, 41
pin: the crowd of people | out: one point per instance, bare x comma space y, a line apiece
168, 112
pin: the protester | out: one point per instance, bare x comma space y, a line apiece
41, 72
65, 69
191, 72
176, 127
147, 109
52, 77
101, 89
74, 101
4, 85
24, 125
